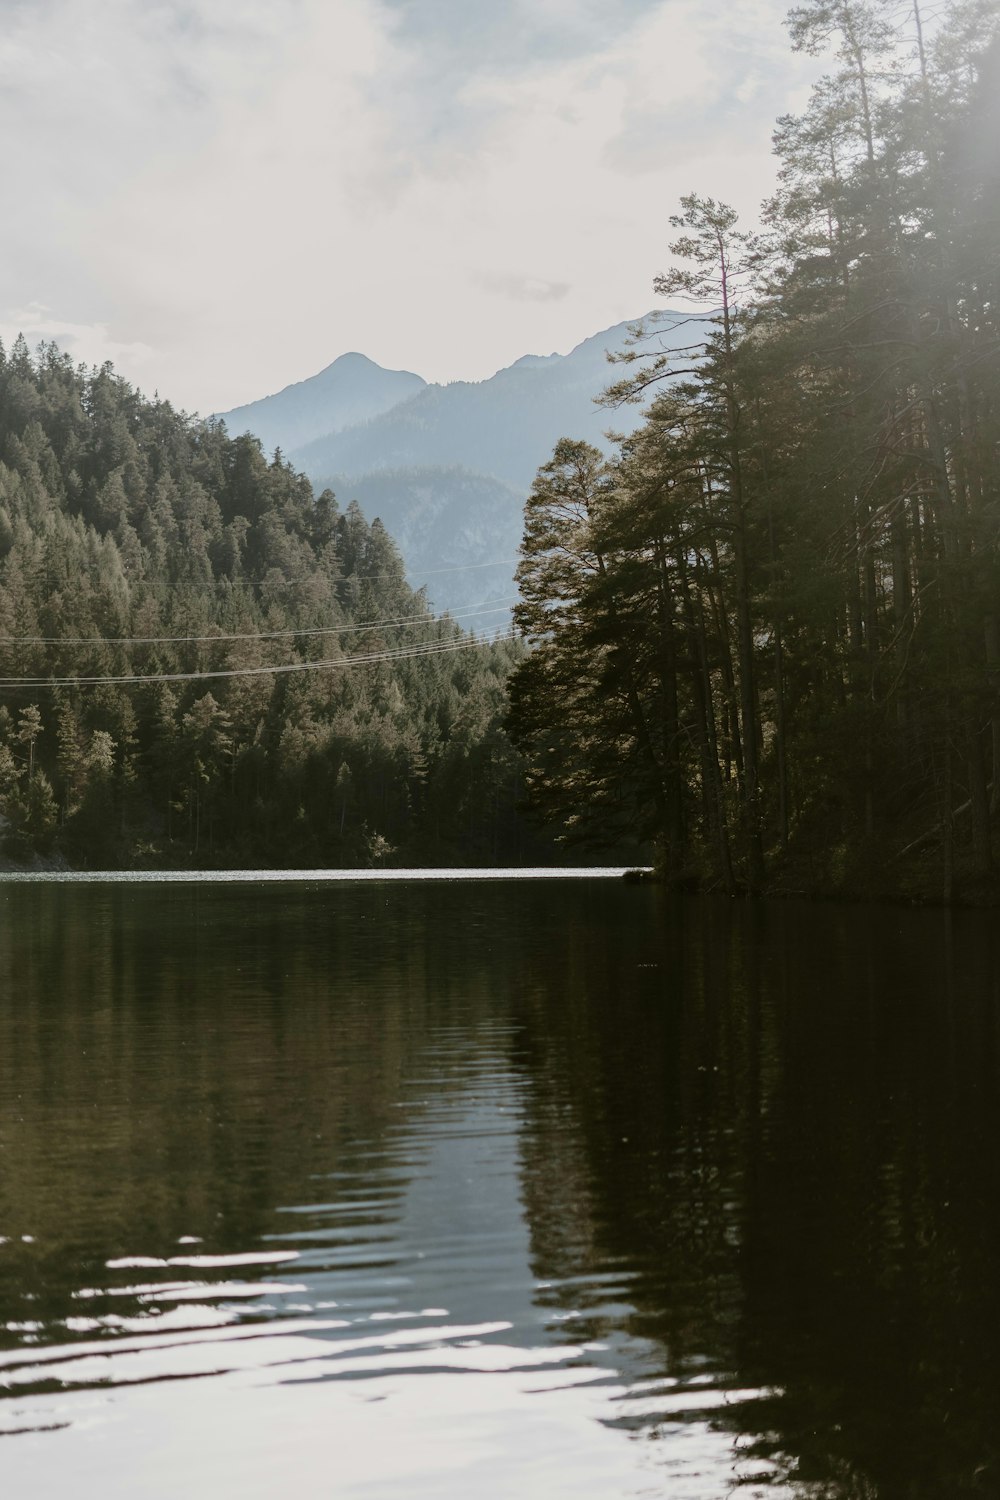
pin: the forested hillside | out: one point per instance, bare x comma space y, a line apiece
772, 624
457, 530
201, 662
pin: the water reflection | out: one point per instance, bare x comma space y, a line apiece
537, 1189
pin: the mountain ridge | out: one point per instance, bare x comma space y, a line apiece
349, 390
504, 426
458, 458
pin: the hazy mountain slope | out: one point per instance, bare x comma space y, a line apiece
447, 468
505, 426
458, 532
353, 389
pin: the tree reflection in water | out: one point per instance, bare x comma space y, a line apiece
756, 1142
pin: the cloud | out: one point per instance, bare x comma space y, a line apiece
97, 97
229, 193
519, 287
511, 34
720, 104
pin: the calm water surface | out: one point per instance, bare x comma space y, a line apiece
525, 1188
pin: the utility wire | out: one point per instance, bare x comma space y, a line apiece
499, 607
287, 582
400, 653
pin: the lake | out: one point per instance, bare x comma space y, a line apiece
507, 1188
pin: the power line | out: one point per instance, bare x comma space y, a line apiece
401, 653
287, 582
499, 607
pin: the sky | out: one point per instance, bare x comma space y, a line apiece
222, 196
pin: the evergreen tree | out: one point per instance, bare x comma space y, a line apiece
798, 545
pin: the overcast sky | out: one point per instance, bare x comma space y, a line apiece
224, 195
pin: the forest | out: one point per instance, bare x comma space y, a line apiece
771, 623
202, 663
762, 638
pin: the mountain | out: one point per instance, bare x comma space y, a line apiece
458, 531
446, 468
505, 426
353, 389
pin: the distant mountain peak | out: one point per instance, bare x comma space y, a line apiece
355, 360
528, 360
351, 390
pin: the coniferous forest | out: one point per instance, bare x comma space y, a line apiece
772, 623
763, 638
202, 663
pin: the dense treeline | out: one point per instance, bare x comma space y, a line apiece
772, 624
136, 542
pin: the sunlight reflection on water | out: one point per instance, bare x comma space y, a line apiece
539, 1185
396, 1347
226, 1394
